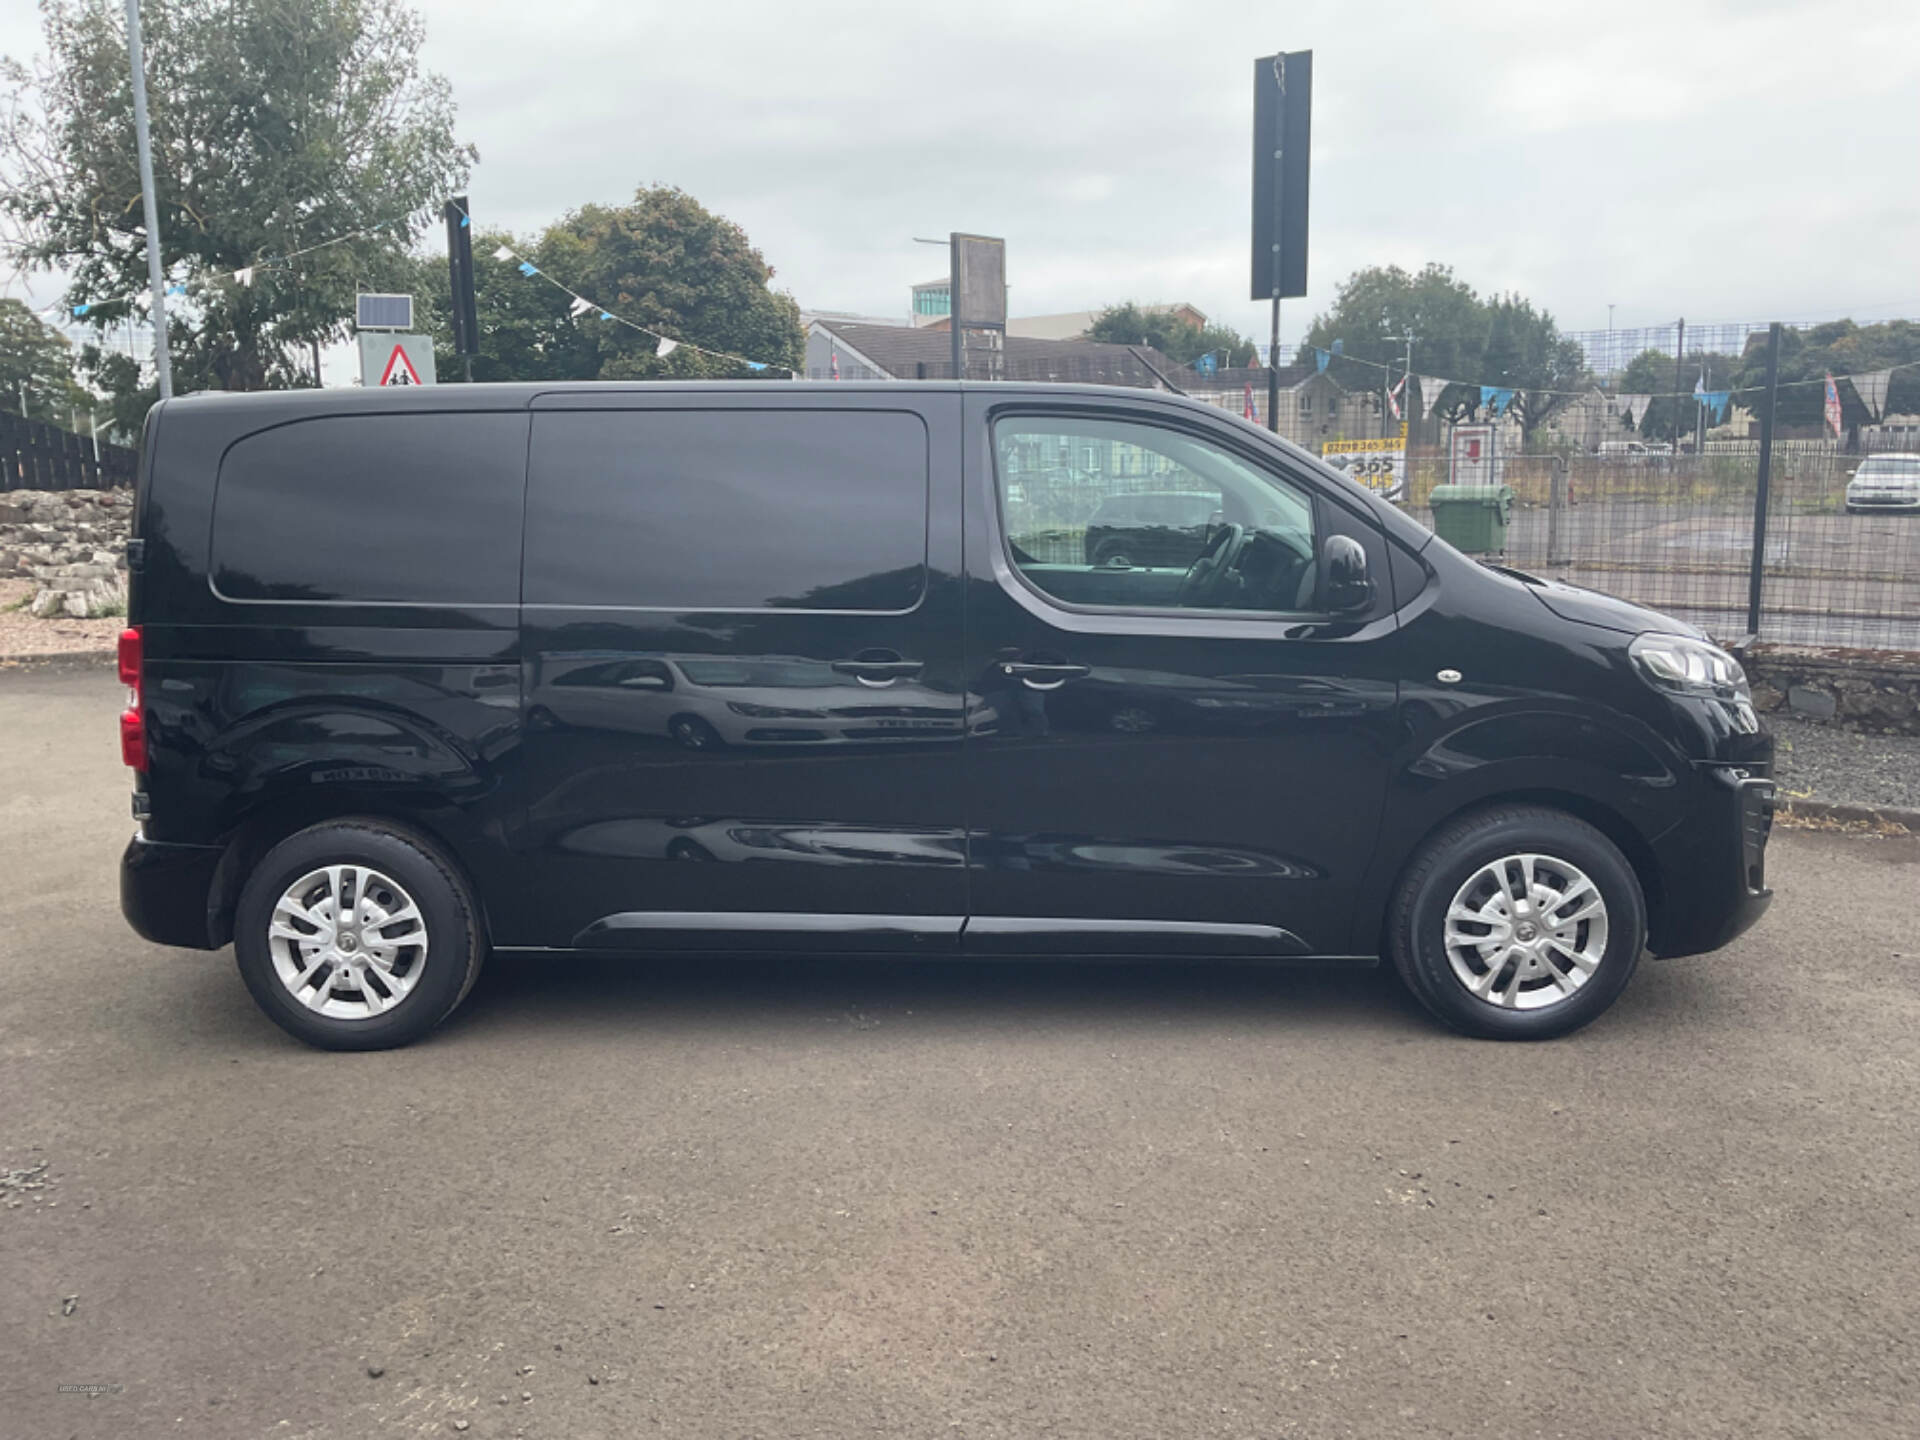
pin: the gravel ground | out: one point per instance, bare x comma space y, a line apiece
21, 635
1823, 762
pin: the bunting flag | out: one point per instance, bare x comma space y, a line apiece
664, 345
1432, 387
1320, 358
243, 276
1393, 397
1872, 390
1833, 406
1716, 402
1496, 398
1246, 409
1631, 407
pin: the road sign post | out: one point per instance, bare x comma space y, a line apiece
1282, 122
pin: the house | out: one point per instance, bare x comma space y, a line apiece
840, 350
933, 305
1313, 405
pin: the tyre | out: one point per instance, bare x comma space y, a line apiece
1517, 923
357, 935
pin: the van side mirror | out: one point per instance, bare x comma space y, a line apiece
1348, 588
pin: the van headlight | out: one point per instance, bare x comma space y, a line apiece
1689, 667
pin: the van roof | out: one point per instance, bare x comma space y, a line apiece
515, 394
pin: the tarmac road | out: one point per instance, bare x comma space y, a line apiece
853, 1199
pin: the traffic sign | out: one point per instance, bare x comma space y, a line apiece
391, 360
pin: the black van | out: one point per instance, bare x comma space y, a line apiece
422, 674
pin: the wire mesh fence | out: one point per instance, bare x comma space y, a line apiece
1677, 533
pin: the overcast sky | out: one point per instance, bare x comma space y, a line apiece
1726, 162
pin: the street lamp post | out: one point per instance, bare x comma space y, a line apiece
162, 362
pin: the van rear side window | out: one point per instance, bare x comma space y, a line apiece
727, 510
374, 509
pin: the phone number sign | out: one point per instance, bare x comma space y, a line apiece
1380, 465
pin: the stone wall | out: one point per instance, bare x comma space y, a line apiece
72, 544
1872, 690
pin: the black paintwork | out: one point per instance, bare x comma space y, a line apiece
932, 758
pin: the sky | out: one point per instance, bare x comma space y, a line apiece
1725, 162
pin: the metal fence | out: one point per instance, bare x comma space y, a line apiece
38, 456
1677, 533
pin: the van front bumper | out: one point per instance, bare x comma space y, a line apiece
164, 889
1713, 875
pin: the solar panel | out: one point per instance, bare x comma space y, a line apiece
384, 312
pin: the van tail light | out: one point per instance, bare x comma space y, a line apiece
133, 724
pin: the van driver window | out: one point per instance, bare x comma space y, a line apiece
1136, 516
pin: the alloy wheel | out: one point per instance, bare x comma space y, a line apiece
1526, 931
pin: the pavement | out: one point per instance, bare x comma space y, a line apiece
844, 1199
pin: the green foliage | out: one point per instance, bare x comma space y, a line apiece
276, 126
1652, 372
664, 261
524, 330
1839, 347
37, 356
1526, 351
1173, 336
1502, 340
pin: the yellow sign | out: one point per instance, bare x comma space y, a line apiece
1379, 464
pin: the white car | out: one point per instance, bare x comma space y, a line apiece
1885, 482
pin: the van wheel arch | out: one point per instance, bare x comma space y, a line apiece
1608, 821
250, 841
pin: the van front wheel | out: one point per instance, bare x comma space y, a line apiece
353, 935
1517, 923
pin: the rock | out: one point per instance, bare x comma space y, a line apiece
1815, 704
376, 1371
48, 605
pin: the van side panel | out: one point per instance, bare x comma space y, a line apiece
330, 606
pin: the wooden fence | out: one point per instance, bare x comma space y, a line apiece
38, 456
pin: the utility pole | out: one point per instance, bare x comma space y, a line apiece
1610, 305
1679, 362
162, 362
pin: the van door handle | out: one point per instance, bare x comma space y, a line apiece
878, 673
1036, 676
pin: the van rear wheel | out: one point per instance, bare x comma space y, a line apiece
1517, 923
356, 935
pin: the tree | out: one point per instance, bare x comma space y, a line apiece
35, 356
1378, 306
1527, 353
1837, 348
1652, 372
668, 263
301, 140
665, 262
525, 333
1172, 335
1502, 341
